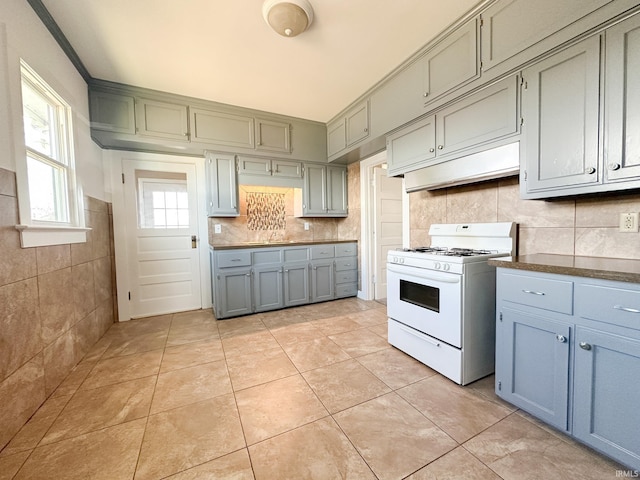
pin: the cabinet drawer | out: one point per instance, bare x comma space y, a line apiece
346, 263
296, 254
553, 295
609, 304
267, 256
347, 276
346, 290
322, 251
232, 258
346, 250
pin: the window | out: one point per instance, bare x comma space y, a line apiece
51, 206
163, 204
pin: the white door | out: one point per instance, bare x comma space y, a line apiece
160, 201
388, 224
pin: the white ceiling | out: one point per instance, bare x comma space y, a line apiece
222, 50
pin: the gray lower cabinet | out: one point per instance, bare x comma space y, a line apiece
296, 284
267, 288
322, 285
233, 288
222, 185
568, 352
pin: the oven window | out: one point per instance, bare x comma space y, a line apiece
421, 295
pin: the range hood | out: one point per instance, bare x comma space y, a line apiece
487, 165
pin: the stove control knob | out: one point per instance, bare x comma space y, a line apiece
395, 260
401, 260
446, 267
437, 265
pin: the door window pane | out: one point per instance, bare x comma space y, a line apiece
163, 203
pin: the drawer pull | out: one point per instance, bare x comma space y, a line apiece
561, 338
236, 259
585, 346
533, 292
626, 309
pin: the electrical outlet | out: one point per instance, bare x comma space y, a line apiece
306, 225
217, 228
629, 222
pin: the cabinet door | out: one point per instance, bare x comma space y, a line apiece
337, 191
532, 371
560, 108
234, 292
357, 123
412, 147
162, 119
286, 169
315, 190
622, 97
218, 128
451, 63
606, 392
254, 166
487, 115
267, 288
510, 26
322, 284
112, 113
296, 284
273, 136
336, 137
222, 185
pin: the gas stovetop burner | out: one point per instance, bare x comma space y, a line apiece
450, 252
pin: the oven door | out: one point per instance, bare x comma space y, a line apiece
426, 300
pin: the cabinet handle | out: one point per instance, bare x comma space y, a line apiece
366, 130
347, 264
533, 292
425, 94
236, 259
626, 309
561, 338
432, 150
585, 346
440, 147
614, 166
590, 170
248, 274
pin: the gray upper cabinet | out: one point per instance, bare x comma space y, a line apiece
511, 26
337, 191
112, 113
622, 97
286, 169
162, 119
273, 136
219, 128
324, 192
266, 167
349, 129
254, 166
560, 107
222, 185
476, 121
336, 137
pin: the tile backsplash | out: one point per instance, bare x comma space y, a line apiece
578, 226
55, 303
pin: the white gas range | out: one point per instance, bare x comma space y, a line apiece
441, 299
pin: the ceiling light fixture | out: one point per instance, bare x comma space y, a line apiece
288, 17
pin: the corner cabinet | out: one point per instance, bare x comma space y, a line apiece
324, 192
568, 352
349, 129
222, 185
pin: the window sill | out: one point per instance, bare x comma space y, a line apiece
46, 235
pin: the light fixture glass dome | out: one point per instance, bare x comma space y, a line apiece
288, 17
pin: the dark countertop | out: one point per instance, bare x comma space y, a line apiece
618, 269
233, 246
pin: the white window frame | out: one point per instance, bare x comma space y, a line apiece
37, 233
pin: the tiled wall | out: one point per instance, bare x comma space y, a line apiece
582, 226
55, 303
236, 229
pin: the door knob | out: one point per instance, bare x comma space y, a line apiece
194, 241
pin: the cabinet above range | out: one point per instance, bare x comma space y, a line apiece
132, 118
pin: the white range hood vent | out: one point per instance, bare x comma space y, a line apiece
487, 165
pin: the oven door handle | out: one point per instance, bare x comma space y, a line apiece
422, 274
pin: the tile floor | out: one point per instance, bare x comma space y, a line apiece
311, 392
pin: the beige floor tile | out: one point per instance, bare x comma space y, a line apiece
10, 464
487, 386
191, 354
359, 342
235, 466
284, 318
259, 367
459, 411
126, 344
30, 435
250, 342
371, 318
318, 450
190, 385
315, 353
193, 318
299, 332
188, 436
141, 326
381, 330
108, 454
517, 448
72, 383
120, 369
392, 436
240, 326
395, 368
345, 384
455, 465
337, 324
91, 410
189, 334
276, 407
